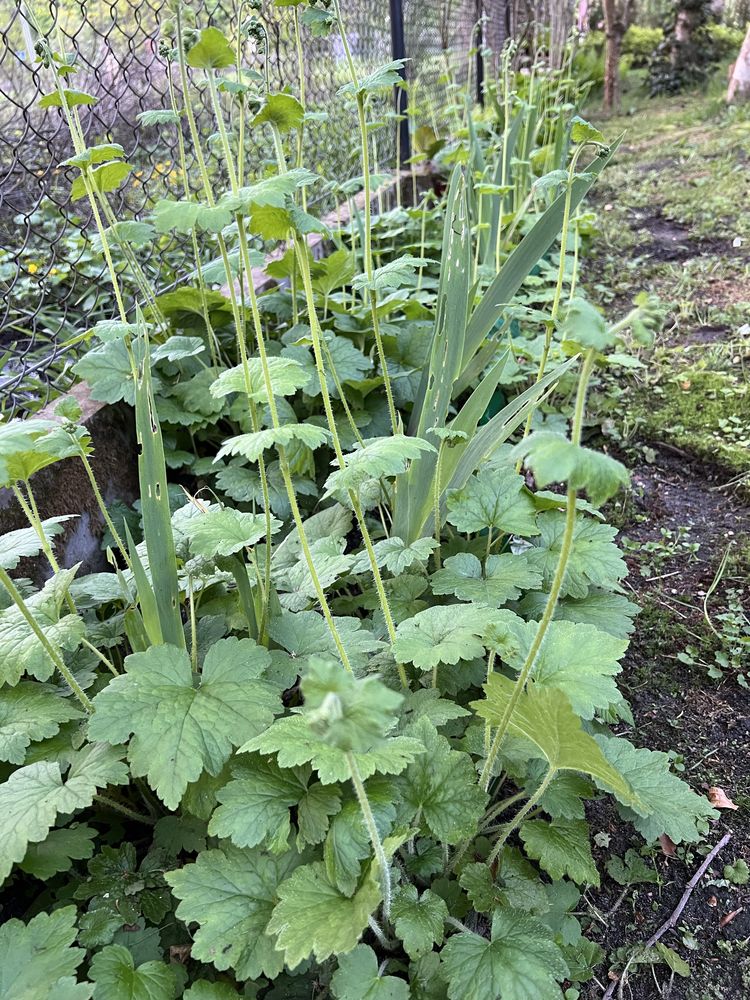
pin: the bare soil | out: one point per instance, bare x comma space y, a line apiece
678, 707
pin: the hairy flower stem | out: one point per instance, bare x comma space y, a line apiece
436, 494
283, 461
237, 316
246, 280
304, 267
361, 98
53, 654
378, 932
301, 81
119, 807
212, 338
79, 145
31, 511
103, 507
487, 726
32, 516
521, 815
562, 565
499, 808
303, 264
100, 656
372, 830
135, 268
550, 326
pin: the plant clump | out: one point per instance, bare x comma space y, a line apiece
333, 719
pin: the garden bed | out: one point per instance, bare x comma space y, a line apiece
343, 716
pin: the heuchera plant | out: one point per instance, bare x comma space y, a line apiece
330, 724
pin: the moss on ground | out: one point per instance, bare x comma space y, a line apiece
660, 633
701, 410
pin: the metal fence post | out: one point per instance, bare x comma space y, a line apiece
398, 51
480, 46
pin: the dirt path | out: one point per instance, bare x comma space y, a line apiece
673, 210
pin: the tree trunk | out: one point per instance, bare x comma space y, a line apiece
560, 23
613, 32
739, 79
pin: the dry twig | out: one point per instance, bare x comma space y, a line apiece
670, 922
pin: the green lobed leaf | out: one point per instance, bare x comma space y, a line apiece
32, 797
612, 613
104, 178
251, 446
230, 893
595, 561
312, 918
180, 729
583, 327
30, 712
137, 234
553, 458
493, 498
176, 349
665, 803
545, 717
583, 131
254, 805
73, 98
577, 659
217, 533
396, 555
295, 743
347, 843
58, 851
504, 578
108, 371
283, 111
333, 271
286, 375
441, 634
418, 920
158, 116
561, 848
37, 957
387, 75
116, 977
306, 634
358, 978
393, 275
375, 458
21, 651
211, 51
441, 787
520, 961
631, 870
100, 153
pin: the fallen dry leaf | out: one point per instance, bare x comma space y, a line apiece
668, 846
719, 798
729, 917
713, 901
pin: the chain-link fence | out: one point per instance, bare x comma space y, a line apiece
53, 284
